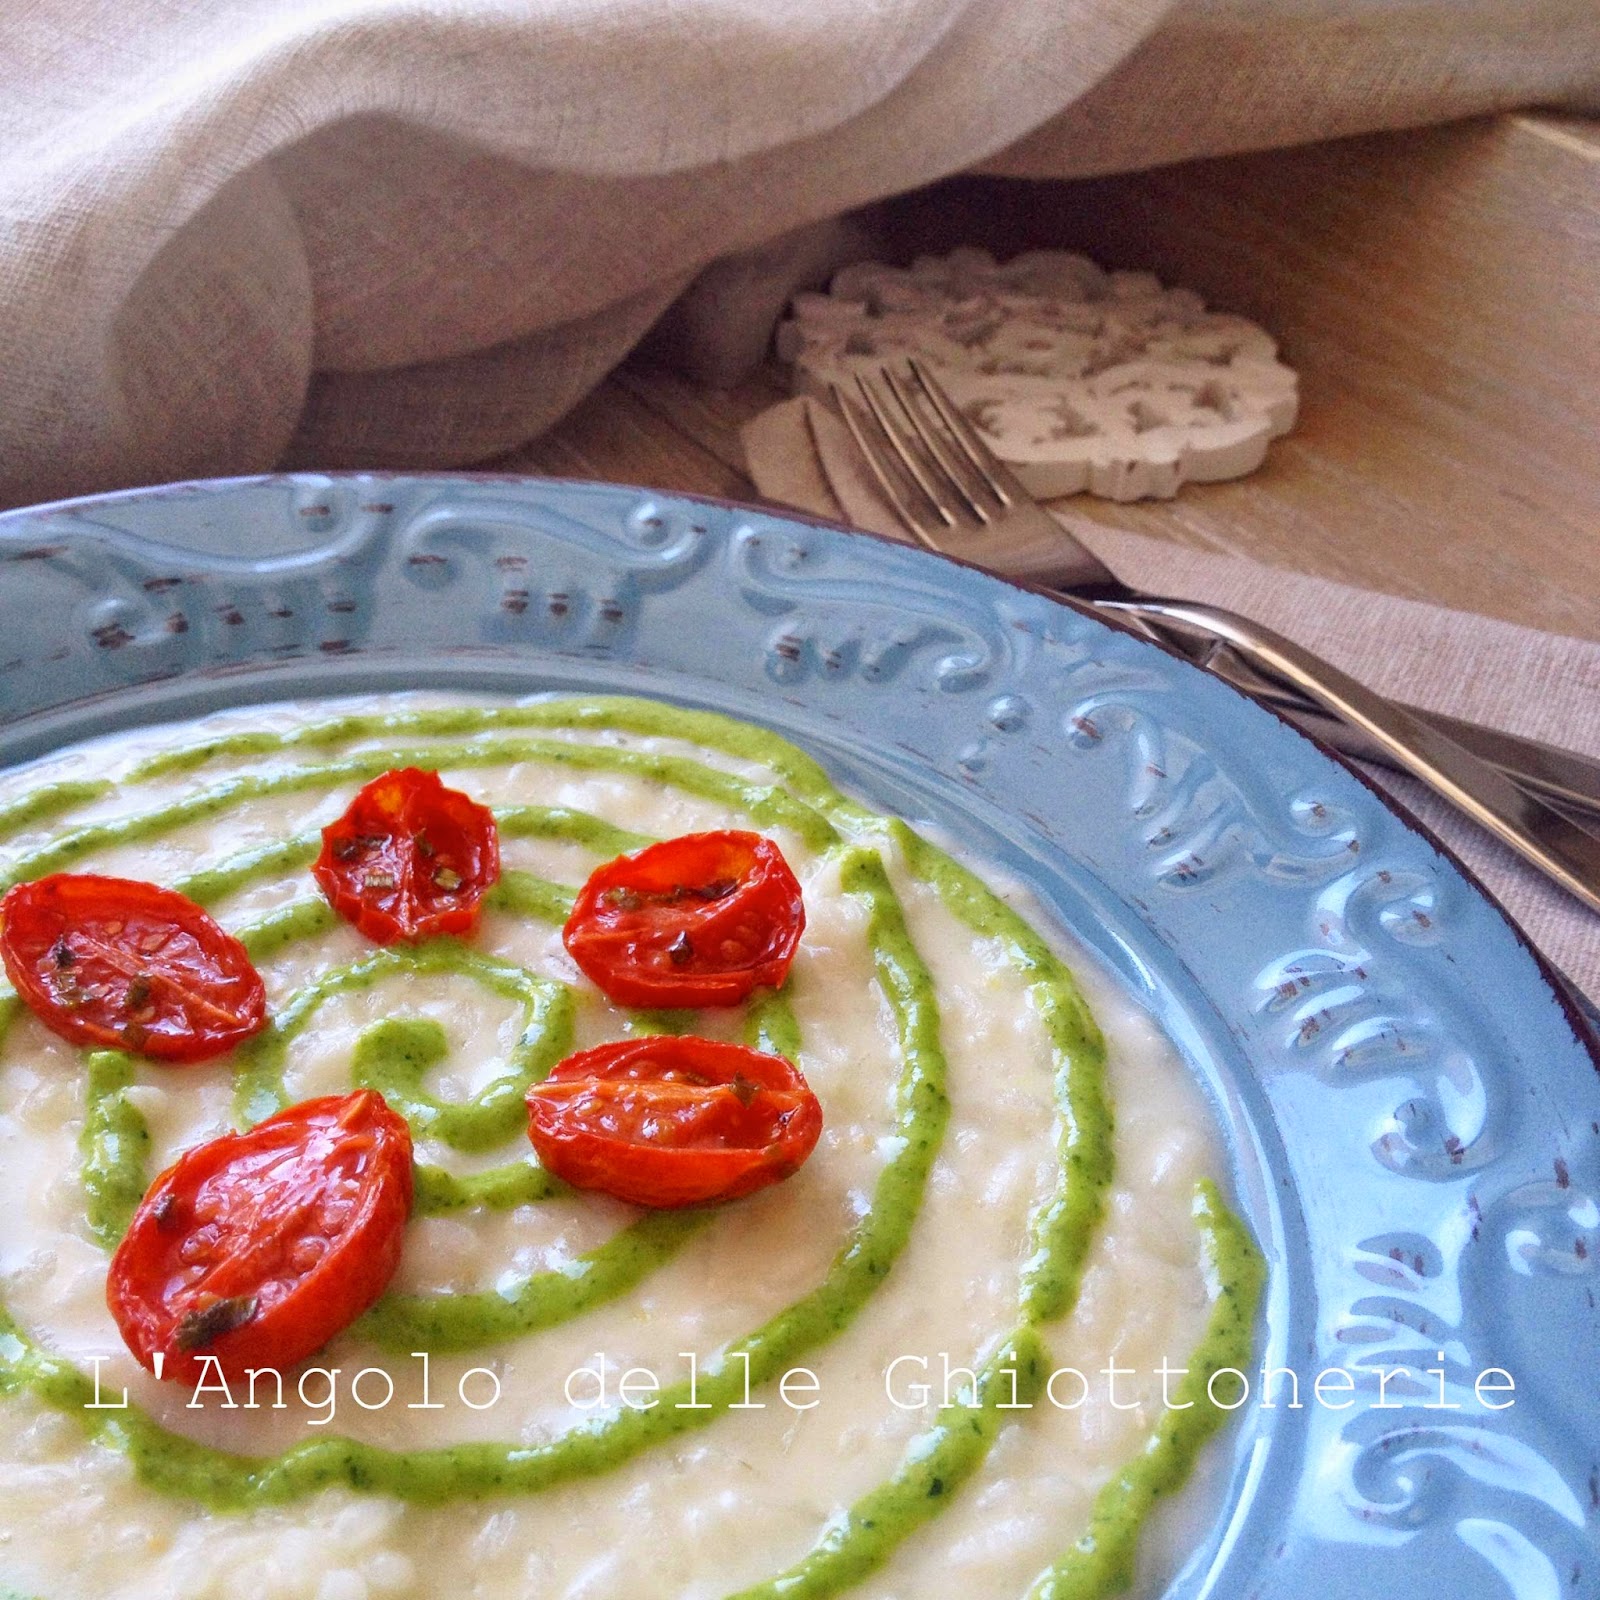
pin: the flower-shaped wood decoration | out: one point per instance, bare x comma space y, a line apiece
1080, 379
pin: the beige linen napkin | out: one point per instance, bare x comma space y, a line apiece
413, 232
1537, 684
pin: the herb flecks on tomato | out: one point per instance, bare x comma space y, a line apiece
673, 1120
700, 920
409, 858
121, 964
257, 1248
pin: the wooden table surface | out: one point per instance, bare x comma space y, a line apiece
1438, 292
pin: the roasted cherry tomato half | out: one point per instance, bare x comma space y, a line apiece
696, 921
258, 1247
409, 858
113, 962
673, 1120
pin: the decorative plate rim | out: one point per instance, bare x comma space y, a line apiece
1405, 1501
1585, 1023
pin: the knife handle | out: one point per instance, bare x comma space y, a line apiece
1563, 777
1553, 841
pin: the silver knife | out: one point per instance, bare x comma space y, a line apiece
1564, 777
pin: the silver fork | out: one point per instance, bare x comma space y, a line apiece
955, 495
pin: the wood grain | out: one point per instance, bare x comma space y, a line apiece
1438, 291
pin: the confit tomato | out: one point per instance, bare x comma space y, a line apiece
116, 963
700, 920
673, 1120
409, 858
257, 1248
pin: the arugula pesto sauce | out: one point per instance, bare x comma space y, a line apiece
394, 1056
1102, 1561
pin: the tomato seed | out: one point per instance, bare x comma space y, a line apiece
307, 1253
199, 1248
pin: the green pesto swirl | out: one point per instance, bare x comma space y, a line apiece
396, 1056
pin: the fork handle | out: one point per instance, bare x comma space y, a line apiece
1570, 781
1551, 840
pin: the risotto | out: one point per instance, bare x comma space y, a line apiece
924, 1365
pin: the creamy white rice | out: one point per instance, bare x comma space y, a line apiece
711, 1511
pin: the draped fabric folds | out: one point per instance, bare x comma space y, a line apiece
384, 232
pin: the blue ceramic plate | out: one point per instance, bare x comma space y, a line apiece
1412, 1115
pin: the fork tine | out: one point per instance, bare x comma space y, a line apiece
985, 463
904, 451
932, 441
870, 453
